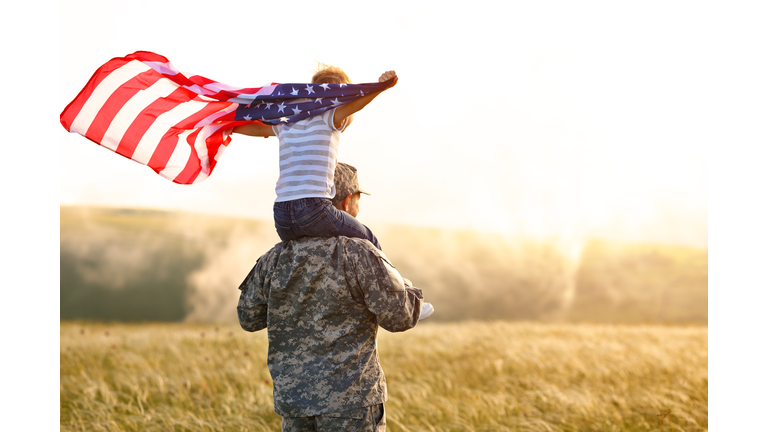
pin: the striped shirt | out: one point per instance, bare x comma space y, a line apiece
308, 154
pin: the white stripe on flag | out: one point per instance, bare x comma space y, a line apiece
199, 90
220, 152
266, 90
163, 68
161, 125
101, 93
179, 157
128, 113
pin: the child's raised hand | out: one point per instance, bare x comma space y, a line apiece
386, 76
346, 110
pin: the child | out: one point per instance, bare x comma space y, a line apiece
308, 159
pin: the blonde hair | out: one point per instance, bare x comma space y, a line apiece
329, 75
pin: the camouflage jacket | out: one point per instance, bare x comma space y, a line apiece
322, 301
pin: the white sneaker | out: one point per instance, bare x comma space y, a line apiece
426, 310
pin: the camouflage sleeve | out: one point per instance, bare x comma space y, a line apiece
252, 306
395, 303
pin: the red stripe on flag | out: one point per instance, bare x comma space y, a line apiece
147, 56
73, 109
192, 168
116, 101
143, 121
115, 113
213, 144
168, 143
230, 117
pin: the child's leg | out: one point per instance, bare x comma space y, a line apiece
347, 225
317, 217
294, 218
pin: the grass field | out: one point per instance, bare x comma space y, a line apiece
464, 376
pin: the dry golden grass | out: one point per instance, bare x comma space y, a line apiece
470, 376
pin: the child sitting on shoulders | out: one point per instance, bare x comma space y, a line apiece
305, 204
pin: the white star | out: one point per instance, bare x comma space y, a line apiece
335, 101
318, 100
342, 85
284, 119
296, 110
324, 86
294, 92
247, 117
268, 105
280, 108
310, 90
361, 93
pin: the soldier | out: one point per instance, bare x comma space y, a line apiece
322, 300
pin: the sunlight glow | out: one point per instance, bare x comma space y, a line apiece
579, 124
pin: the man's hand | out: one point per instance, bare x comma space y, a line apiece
386, 76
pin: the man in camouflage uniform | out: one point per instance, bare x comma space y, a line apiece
322, 301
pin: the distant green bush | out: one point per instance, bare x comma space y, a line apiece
142, 265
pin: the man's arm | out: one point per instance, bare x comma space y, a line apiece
255, 128
397, 307
252, 306
347, 110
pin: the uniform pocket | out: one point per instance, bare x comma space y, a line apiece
357, 414
381, 421
395, 279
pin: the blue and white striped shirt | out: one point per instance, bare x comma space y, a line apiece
308, 155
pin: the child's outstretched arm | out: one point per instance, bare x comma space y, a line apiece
255, 128
347, 110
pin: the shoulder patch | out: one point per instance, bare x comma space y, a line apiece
396, 281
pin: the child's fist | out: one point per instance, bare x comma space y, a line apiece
386, 76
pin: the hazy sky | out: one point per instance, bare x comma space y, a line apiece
534, 117
591, 114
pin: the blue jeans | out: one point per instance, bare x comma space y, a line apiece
317, 217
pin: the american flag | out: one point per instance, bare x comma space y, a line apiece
143, 108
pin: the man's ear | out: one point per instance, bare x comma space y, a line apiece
346, 203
